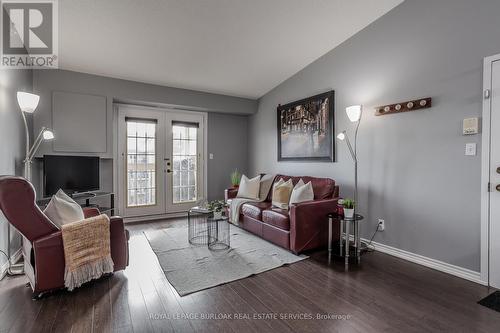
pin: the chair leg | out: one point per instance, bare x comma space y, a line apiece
37, 296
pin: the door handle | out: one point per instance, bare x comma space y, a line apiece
169, 171
498, 187
498, 170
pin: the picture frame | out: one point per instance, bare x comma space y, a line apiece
305, 129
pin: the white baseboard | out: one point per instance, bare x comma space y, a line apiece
153, 217
14, 258
438, 265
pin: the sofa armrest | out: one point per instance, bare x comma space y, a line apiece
49, 262
309, 224
230, 193
90, 212
119, 243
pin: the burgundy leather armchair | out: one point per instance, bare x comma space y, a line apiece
303, 227
42, 241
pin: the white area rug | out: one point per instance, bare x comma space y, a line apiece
192, 268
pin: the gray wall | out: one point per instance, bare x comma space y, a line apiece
227, 135
12, 139
227, 141
47, 81
413, 172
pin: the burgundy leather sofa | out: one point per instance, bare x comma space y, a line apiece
303, 227
42, 241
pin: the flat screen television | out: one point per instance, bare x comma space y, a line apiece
72, 174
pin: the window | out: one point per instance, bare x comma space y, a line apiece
141, 163
185, 162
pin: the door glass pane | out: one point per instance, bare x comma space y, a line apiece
141, 163
185, 166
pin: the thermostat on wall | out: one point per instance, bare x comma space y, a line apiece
471, 126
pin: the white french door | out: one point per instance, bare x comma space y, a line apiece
161, 167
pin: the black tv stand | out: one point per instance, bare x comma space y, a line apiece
87, 200
78, 195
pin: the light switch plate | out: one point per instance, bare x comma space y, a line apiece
211, 156
470, 149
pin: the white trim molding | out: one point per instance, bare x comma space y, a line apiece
438, 265
485, 168
15, 258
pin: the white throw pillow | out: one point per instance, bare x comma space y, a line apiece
302, 192
281, 193
62, 209
249, 188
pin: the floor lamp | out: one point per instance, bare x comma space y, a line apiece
354, 115
27, 103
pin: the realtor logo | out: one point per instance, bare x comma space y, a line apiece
29, 34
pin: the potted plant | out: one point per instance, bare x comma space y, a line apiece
235, 178
217, 207
348, 205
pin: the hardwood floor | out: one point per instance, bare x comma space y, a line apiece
385, 294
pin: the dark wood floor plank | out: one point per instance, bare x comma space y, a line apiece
171, 306
243, 310
22, 321
102, 321
384, 294
258, 307
120, 312
46, 318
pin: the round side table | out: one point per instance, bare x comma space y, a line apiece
197, 227
345, 225
218, 233
344, 248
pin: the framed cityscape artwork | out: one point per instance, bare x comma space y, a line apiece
305, 129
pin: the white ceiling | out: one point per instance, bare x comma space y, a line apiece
234, 47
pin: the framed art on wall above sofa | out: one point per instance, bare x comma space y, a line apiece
305, 129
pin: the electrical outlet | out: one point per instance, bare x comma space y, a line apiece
381, 225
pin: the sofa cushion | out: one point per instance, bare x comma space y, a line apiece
323, 187
281, 193
254, 209
277, 217
249, 188
62, 209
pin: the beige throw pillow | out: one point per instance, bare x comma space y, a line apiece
302, 192
249, 188
281, 193
61, 209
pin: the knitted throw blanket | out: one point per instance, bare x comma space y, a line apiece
87, 250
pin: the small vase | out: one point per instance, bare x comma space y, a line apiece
218, 215
348, 213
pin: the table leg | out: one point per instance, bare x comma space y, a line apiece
347, 232
330, 227
355, 233
341, 243
358, 241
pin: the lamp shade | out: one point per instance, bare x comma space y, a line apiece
48, 134
27, 101
341, 136
354, 112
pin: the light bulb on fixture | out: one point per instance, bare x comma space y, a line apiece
27, 101
354, 112
48, 135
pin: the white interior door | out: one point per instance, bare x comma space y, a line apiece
161, 160
494, 204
